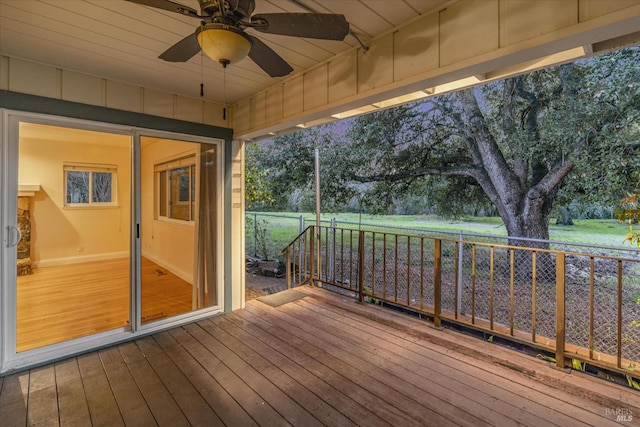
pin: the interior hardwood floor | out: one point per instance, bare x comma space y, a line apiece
62, 302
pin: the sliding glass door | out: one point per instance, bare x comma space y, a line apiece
178, 232
107, 232
73, 217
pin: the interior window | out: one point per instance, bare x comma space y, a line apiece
89, 185
176, 182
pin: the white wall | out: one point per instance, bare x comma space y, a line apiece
168, 243
63, 234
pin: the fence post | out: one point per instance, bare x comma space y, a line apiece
560, 308
460, 253
301, 227
437, 263
360, 266
255, 234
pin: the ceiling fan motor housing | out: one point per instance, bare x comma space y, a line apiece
240, 9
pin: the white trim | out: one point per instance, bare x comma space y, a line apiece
28, 190
184, 275
79, 259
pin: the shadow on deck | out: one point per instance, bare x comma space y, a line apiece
319, 360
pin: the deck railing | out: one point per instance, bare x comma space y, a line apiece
577, 305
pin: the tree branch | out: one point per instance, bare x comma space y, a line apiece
550, 181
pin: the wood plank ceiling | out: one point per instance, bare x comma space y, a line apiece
121, 41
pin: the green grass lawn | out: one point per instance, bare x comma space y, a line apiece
607, 232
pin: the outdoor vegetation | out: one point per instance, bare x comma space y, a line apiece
549, 155
556, 143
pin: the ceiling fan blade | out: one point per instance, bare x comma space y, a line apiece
326, 26
170, 6
267, 59
182, 51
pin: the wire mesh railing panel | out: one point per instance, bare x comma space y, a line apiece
631, 311
604, 307
418, 274
345, 264
521, 272
501, 292
449, 275
466, 278
579, 283
339, 263
481, 274
545, 296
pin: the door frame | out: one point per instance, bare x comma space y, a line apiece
136, 299
10, 360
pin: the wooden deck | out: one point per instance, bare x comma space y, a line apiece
320, 360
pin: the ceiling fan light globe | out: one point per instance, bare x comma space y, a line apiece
223, 44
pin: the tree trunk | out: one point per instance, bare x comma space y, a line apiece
525, 207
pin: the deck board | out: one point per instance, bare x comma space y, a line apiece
72, 401
384, 400
500, 381
42, 408
250, 401
162, 405
397, 372
13, 398
422, 383
103, 408
274, 373
489, 389
320, 360
267, 390
330, 394
195, 408
131, 403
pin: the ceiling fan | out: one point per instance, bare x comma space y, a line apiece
222, 37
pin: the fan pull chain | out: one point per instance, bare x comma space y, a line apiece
224, 90
201, 74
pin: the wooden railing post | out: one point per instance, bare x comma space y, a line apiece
437, 264
560, 309
360, 266
312, 250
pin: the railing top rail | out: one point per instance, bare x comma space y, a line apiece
272, 215
303, 232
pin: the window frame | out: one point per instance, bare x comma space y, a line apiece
90, 168
163, 202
